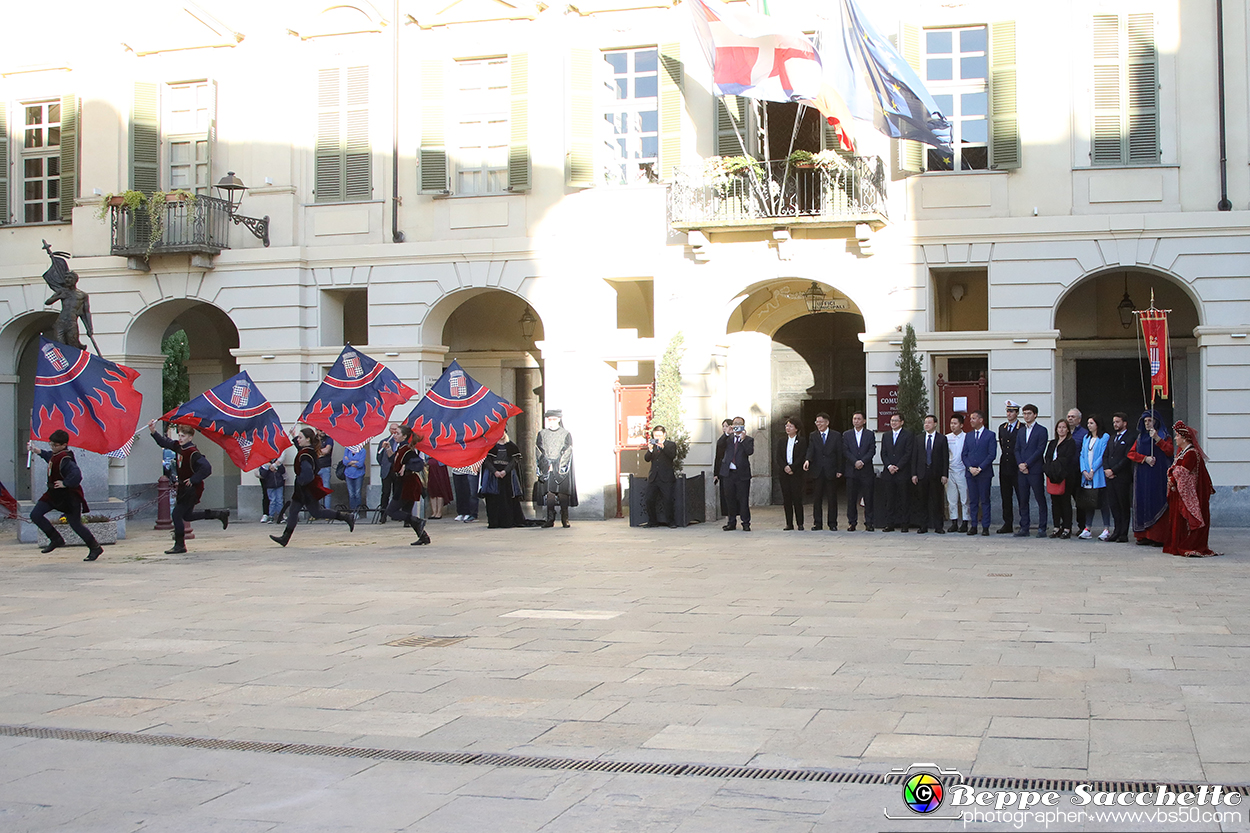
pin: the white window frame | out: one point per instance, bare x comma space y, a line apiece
615, 167
194, 126
482, 93
45, 152
957, 87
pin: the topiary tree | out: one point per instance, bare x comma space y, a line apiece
666, 406
913, 397
175, 381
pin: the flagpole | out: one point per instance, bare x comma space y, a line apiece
742, 144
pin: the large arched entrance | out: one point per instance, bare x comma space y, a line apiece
20, 343
1100, 362
798, 363
492, 333
211, 336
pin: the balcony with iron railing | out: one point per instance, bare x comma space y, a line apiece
714, 196
198, 227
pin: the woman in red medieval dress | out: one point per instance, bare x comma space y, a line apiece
1189, 497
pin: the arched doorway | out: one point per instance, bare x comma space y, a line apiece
211, 337
1100, 363
20, 343
810, 362
492, 333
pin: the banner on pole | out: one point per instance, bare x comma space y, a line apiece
1154, 326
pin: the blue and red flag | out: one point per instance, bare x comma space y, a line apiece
355, 399
238, 417
458, 419
90, 398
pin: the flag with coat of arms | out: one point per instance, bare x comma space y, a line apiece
459, 419
92, 399
355, 400
238, 417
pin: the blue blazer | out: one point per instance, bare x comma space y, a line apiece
1032, 452
980, 455
1100, 477
866, 450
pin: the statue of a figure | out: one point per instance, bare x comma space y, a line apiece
75, 303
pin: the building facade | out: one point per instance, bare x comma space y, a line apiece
549, 194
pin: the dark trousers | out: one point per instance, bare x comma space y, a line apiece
979, 498
314, 507
860, 483
792, 499
184, 510
822, 488
1061, 509
1120, 496
723, 490
73, 517
1007, 479
401, 510
660, 502
897, 500
465, 488
739, 493
932, 494
388, 490
1031, 485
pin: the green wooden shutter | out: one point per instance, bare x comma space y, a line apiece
69, 156
671, 85
1005, 150
519, 124
731, 112
432, 156
4, 163
210, 135
581, 168
145, 139
328, 155
1142, 71
357, 150
1107, 145
911, 154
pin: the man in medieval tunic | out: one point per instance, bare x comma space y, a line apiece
64, 496
555, 468
191, 469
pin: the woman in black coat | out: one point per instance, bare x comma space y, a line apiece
790, 474
1060, 465
500, 483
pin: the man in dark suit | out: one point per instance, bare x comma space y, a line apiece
1119, 472
735, 473
661, 454
896, 462
1008, 471
1030, 448
726, 430
930, 470
824, 466
859, 447
979, 450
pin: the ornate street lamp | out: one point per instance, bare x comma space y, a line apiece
232, 189
1125, 307
527, 322
815, 297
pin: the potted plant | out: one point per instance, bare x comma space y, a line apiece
155, 204
802, 159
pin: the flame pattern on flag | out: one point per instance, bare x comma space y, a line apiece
250, 433
355, 399
90, 398
459, 420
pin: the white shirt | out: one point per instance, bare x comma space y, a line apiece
790, 450
1027, 428
896, 435
956, 444
859, 432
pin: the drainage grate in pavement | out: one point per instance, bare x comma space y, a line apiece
590, 765
999, 575
426, 641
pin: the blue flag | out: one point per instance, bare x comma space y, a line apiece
238, 417
355, 399
92, 399
458, 419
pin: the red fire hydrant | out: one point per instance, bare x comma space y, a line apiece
164, 521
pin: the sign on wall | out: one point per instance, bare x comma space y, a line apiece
887, 405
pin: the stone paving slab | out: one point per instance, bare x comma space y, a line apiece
851, 651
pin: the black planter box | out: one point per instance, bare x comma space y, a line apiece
689, 505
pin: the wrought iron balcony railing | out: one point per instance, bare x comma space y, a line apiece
765, 193
199, 227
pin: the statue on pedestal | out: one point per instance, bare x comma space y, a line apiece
75, 304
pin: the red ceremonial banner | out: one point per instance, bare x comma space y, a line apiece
1154, 326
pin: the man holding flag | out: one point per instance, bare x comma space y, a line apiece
64, 496
191, 469
309, 490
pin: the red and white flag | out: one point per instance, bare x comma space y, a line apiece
1154, 328
754, 55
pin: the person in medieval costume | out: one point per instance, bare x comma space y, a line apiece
1152, 454
1189, 497
64, 496
191, 469
407, 467
500, 484
309, 488
555, 468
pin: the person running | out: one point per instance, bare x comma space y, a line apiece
191, 469
309, 488
64, 496
407, 468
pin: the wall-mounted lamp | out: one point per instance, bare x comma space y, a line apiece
527, 322
815, 298
957, 292
232, 189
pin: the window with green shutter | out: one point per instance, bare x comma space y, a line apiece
343, 153
1005, 148
4, 165
189, 124
1126, 91
672, 83
580, 170
432, 155
482, 130
731, 126
145, 138
69, 155
518, 122
631, 115
39, 162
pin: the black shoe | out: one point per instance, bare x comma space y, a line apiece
728, 527
95, 553
422, 539
53, 545
787, 529
868, 528
1005, 529
851, 528
746, 527
280, 539
349, 519
1041, 533
177, 549
1141, 542
223, 515
986, 532
972, 531
833, 528
564, 524
923, 531
963, 527
941, 530
887, 529
817, 528
902, 529
548, 524
1019, 533
800, 527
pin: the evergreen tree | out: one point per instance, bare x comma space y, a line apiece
666, 406
913, 398
175, 381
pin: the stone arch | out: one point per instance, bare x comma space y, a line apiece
19, 341
766, 306
1139, 283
